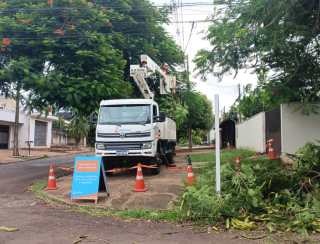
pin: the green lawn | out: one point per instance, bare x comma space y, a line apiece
226, 155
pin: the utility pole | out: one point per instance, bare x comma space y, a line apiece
188, 91
16, 122
188, 76
217, 139
239, 98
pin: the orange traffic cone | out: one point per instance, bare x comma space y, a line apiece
190, 176
52, 184
238, 164
139, 187
272, 153
269, 144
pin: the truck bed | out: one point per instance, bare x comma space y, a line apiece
168, 130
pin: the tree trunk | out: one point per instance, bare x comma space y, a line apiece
190, 138
16, 124
78, 140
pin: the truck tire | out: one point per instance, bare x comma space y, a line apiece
170, 159
155, 171
170, 155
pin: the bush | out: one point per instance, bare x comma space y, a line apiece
261, 190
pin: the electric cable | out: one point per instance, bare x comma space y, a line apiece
190, 35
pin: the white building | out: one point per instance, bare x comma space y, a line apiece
286, 125
34, 127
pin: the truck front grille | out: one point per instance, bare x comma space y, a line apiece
108, 135
127, 135
138, 134
123, 146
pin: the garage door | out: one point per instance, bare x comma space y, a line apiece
4, 137
40, 133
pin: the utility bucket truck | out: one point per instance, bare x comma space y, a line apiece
131, 131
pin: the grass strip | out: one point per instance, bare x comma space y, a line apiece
38, 188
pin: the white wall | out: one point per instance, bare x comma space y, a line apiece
59, 138
26, 122
26, 132
251, 133
211, 135
23, 133
22, 128
297, 128
9, 116
49, 133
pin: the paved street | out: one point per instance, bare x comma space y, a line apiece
40, 223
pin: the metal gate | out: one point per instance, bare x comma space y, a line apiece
273, 128
228, 133
4, 137
40, 133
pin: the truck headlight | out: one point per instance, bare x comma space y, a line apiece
100, 146
147, 145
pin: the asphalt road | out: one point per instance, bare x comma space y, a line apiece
16, 177
40, 223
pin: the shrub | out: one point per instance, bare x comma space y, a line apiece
261, 190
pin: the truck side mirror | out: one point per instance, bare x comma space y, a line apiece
93, 118
160, 118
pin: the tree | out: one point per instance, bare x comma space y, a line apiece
140, 31
84, 48
278, 36
37, 56
79, 50
173, 108
14, 74
255, 101
199, 113
78, 128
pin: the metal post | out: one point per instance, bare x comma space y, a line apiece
239, 99
217, 139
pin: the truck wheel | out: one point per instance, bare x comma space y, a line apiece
155, 171
171, 153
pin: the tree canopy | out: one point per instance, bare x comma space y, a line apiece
73, 54
280, 37
81, 50
251, 102
200, 113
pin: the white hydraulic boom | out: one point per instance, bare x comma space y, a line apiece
147, 68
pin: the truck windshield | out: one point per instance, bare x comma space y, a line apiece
125, 114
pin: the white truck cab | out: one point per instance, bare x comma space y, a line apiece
131, 131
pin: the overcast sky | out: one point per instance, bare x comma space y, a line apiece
227, 88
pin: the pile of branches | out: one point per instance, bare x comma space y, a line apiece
259, 193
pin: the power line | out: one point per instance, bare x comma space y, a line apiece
175, 5
135, 15
71, 36
111, 28
52, 9
182, 25
52, 34
190, 35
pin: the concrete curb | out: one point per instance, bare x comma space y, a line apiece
44, 157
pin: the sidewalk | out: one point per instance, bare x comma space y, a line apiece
6, 155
